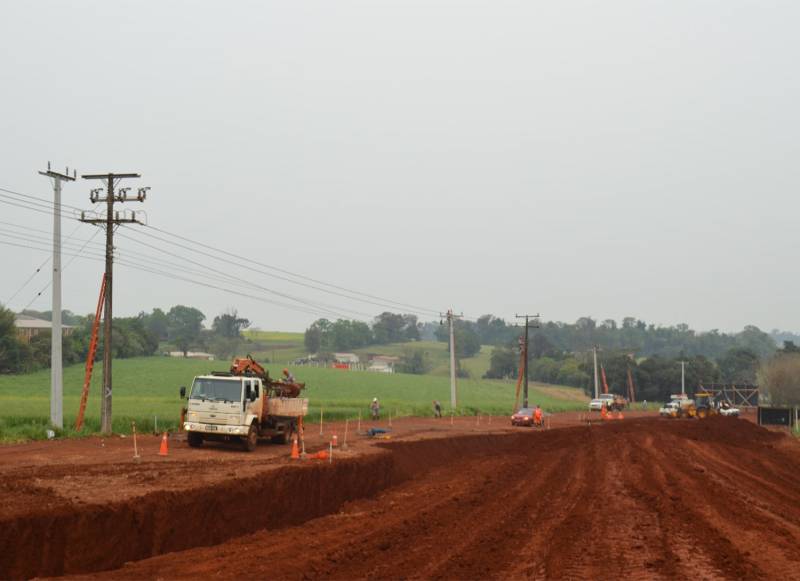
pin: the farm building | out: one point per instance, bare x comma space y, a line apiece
383, 363
348, 358
192, 355
29, 327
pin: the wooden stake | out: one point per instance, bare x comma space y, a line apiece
320, 421
358, 431
135, 447
346, 426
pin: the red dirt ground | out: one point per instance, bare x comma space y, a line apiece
641, 498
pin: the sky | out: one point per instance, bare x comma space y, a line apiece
571, 158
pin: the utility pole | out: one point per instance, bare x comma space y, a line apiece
110, 221
525, 353
56, 360
683, 379
596, 384
451, 317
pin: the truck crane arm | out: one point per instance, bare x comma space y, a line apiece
247, 366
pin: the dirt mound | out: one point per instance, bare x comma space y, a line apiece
639, 500
643, 499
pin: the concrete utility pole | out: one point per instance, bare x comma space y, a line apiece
683, 378
596, 383
110, 221
56, 360
525, 353
450, 316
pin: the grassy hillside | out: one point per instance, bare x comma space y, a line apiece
148, 387
280, 347
438, 354
276, 346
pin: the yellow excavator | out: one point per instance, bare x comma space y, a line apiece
705, 404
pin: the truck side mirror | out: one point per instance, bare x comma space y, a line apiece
183, 392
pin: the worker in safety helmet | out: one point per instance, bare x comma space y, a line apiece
287, 376
375, 408
537, 416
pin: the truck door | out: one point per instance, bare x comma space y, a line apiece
253, 405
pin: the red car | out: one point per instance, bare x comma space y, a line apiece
523, 417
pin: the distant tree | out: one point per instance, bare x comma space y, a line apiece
789, 347
757, 341
157, 323
229, 324
414, 361
739, 366
468, 344
185, 326
780, 378
389, 328
411, 327
14, 355
313, 338
503, 363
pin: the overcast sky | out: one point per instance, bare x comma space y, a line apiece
570, 158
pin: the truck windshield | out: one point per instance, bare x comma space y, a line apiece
216, 390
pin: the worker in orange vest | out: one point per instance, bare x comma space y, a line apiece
537, 416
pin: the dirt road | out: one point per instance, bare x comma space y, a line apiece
638, 499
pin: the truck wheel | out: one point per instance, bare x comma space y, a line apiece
251, 440
195, 440
285, 436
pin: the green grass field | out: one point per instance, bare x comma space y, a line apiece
276, 346
148, 387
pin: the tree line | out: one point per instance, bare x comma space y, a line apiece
181, 328
325, 336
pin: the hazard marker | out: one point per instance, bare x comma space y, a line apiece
164, 451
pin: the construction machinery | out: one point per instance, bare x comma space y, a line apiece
243, 404
705, 404
679, 406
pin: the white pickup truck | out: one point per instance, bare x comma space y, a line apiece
226, 407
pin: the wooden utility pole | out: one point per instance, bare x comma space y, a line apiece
528, 325
56, 359
111, 220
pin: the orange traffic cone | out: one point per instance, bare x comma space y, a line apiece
164, 451
335, 441
604, 412
295, 450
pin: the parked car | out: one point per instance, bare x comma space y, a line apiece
523, 417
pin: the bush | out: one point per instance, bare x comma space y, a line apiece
780, 377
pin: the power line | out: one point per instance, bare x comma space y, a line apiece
353, 295
141, 268
331, 308
384, 301
43, 201
71, 260
249, 265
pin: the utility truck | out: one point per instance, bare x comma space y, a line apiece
242, 404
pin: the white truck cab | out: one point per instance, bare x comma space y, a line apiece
227, 407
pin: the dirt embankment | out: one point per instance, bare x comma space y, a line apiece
718, 499
642, 499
